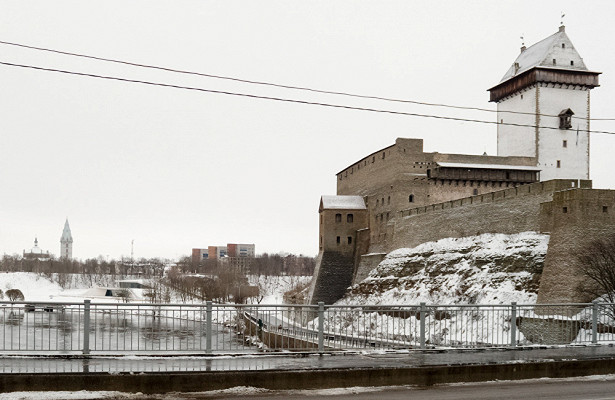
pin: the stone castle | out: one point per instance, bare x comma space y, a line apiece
401, 196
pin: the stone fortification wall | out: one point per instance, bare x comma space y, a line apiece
508, 211
363, 243
574, 218
367, 263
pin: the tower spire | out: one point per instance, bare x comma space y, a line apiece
66, 242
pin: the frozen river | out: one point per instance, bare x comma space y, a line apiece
36, 330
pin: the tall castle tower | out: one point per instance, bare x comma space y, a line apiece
548, 88
66, 242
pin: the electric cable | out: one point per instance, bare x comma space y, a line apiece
271, 84
281, 99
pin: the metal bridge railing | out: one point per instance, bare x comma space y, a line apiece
139, 328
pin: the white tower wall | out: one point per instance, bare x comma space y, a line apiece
568, 146
540, 106
517, 140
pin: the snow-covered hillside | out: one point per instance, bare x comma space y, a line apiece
33, 286
484, 269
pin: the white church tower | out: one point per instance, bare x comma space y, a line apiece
548, 87
66, 242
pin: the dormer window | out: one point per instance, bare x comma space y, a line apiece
565, 119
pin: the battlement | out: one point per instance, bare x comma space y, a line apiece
523, 190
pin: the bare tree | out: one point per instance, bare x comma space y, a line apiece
597, 263
15, 295
124, 294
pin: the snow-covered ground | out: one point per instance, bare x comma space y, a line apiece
36, 287
273, 287
484, 269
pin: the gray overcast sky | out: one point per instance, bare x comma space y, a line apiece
175, 169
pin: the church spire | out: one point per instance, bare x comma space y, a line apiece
66, 235
66, 242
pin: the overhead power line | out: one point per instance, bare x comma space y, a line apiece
282, 99
278, 85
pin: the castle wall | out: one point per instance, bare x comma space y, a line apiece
569, 210
367, 262
507, 211
363, 244
575, 218
396, 178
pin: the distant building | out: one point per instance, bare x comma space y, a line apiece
240, 250
36, 253
66, 242
216, 252
199, 255
234, 254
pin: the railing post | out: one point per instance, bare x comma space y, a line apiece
208, 328
86, 327
513, 324
595, 311
321, 327
422, 316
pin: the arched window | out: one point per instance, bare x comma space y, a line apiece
411, 198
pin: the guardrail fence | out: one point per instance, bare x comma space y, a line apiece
137, 328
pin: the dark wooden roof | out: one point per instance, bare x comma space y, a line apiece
545, 75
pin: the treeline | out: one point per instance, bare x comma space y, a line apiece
221, 286
265, 264
147, 268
